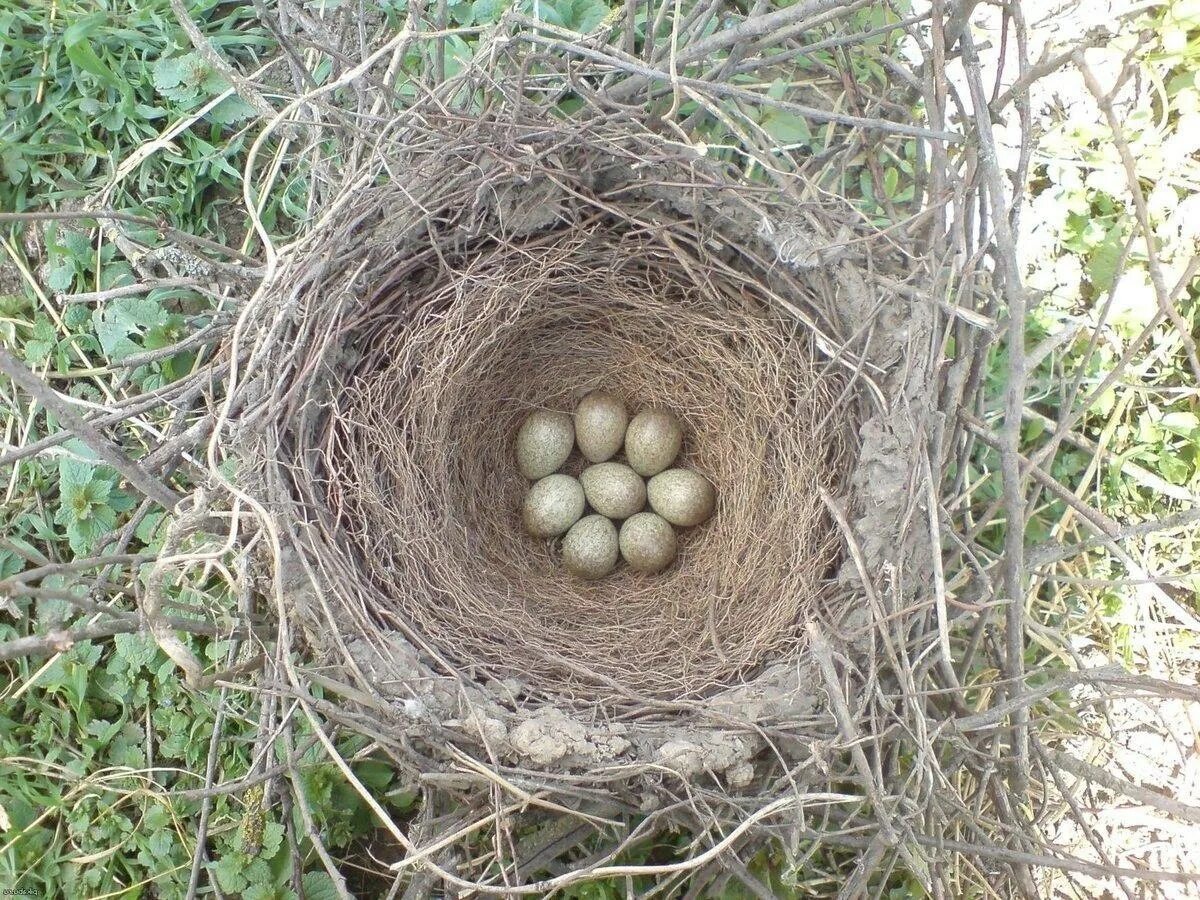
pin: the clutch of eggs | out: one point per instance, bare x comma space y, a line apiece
609, 490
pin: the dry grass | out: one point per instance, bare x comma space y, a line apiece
418, 454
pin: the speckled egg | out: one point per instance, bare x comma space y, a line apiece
544, 442
681, 496
590, 548
613, 489
647, 542
652, 441
552, 505
600, 423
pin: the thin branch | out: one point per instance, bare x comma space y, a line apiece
108, 452
205, 48
1014, 402
1165, 303
166, 231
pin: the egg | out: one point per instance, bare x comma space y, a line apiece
590, 548
544, 442
652, 441
681, 496
647, 542
613, 489
552, 505
600, 422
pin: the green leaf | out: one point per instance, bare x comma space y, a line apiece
80, 53
123, 319
113, 120
60, 276
1172, 468
1183, 424
73, 473
43, 339
11, 563
272, 838
84, 534
214, 82
145, 531
161, 842
136, 649
231, 110
156, 818
376, 774
75, 244
891, 181
76, 316
319, 886
103, 730
170, 71
1102, 262
485, 12
786, 127
185, 95
228, 871
13, 164
257, 871
581, 15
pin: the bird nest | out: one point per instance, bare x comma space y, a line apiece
426, 331
485, 254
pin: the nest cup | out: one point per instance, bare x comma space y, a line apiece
429, 494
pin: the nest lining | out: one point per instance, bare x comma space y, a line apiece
422, 481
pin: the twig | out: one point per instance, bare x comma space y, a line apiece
728, 90
108, 452
240, 785
1014, 400
48, 569
1138, 473
165, 230
195, 339
960, 17
302, 804
210, 774
841, 713
205, 48
152, 599
1161, 802
129, 290
1143, 214
61, 640
1095, 38
1052, 552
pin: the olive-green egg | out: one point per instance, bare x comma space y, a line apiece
590, 548
681, 496
652, 441
544, 442
613, 489
647, 542
552, 505
600, 422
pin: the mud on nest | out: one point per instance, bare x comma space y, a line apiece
418, 449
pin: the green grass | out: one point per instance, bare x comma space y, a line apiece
97, 741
